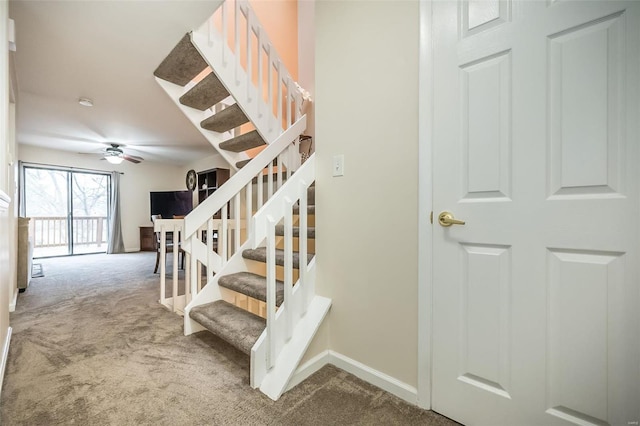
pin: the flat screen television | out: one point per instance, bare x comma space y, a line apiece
171, 203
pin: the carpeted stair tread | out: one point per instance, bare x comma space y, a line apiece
208, 92
260, 255
182, 64
241, 164
310, 209
311, 195
311, 231
227, 119
252, 285
243, 142
235, 325
274, 177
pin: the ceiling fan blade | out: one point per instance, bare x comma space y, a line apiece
134, 159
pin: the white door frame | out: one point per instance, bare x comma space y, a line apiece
425, 204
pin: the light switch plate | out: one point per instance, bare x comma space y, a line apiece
338, 165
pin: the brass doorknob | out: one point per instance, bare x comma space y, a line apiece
447, 219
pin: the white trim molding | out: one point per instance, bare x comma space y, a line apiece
308, 368
4, 201
14, 300
425, 205
5, 356
377, 378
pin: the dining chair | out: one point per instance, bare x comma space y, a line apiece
168, 246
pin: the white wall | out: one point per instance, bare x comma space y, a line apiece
366, 91
306, 57
136, 183
7, 269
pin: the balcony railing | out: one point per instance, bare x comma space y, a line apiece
52, 231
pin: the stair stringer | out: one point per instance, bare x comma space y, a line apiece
273, 382
195, 116
277, 379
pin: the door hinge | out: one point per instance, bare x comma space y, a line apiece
431, 217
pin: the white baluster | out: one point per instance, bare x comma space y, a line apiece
249, 59
198, 265
222, 239
225, 30
270, 181
163, 265
260, 74
298, 105
288, 266
236, 216
279, 101
290, 154
270, 86
302, 246
248, 208
279, 171
209, 235
236, 34
219, 233
271, 291
260, 182
188, 286
289, 99
195, 270
176, 249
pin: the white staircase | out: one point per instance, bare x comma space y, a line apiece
250, 274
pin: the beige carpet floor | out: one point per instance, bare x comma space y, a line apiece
92, 346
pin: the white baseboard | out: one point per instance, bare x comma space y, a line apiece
131, 249
375, 377
308, 368
5, 355
14, 300
358, 369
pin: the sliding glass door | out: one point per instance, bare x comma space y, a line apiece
89, 212
69, 210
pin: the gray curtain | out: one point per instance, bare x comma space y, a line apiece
116, 245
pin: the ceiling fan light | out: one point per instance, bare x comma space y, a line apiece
113, 159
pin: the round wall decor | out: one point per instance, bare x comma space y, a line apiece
191, 180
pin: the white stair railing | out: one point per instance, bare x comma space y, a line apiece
291, 326
239, 52
241, 55
171, 230
273, 103
269, 97
233, 229
282, 320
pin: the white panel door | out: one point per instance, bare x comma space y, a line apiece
536, 299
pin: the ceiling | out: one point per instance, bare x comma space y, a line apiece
106, 51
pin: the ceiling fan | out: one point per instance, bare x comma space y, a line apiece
115, 155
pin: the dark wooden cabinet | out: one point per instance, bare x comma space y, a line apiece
209, 181
147, 238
